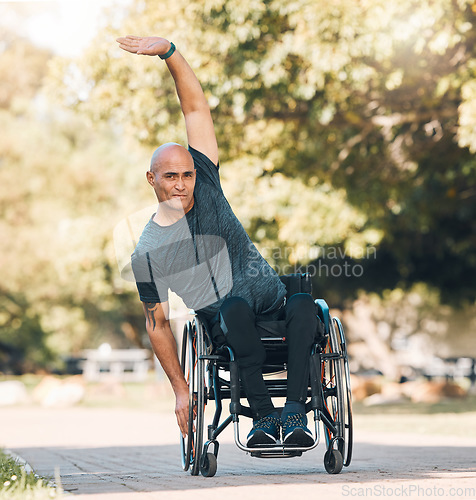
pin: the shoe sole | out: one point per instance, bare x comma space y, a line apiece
260, 438
298, 437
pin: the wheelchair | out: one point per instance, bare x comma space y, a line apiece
213, 376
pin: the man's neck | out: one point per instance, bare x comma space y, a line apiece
166, 216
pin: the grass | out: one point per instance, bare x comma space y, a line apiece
17, 484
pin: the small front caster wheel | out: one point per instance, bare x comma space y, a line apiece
333, 461
208, 467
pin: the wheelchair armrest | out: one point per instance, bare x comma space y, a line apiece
323, 313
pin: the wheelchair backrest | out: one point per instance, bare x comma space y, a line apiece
297, 283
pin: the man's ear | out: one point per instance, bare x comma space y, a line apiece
150, 177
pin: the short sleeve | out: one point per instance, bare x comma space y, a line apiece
207, 171
151, 288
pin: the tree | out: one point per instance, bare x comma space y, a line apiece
361, 99
23, 68
63, 185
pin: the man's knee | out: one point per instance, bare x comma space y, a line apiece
235, 311
301, 304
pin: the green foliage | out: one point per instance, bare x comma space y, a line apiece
21, 335
372, 101
63, 192
16, 484
23, 69
345, 126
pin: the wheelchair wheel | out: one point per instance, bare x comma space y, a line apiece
337, 396
333, 461
193, 347
209, 465
347, 394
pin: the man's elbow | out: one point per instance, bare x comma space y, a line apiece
199, 109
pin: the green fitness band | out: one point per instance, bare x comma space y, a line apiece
169, 52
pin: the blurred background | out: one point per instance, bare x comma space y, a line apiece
347, 133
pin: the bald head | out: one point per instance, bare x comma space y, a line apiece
170, 153
172, 175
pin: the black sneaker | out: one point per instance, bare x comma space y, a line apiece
295, 431
265, 431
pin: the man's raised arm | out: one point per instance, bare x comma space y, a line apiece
198, 120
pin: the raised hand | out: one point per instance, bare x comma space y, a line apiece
146, 45
195, 109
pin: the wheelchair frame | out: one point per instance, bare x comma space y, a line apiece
329, 397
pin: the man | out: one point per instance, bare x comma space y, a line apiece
195, 246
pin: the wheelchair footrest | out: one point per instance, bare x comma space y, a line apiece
276, 454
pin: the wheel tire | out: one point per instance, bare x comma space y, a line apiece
208, 467
200, 396
333, 461
347, 396
337, 393
186, 365
193, 369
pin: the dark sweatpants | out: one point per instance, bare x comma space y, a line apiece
237, 321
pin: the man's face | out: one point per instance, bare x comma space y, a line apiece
173, 180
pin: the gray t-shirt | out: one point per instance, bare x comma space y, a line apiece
206, 256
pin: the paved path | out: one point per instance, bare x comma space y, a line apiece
117, 454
